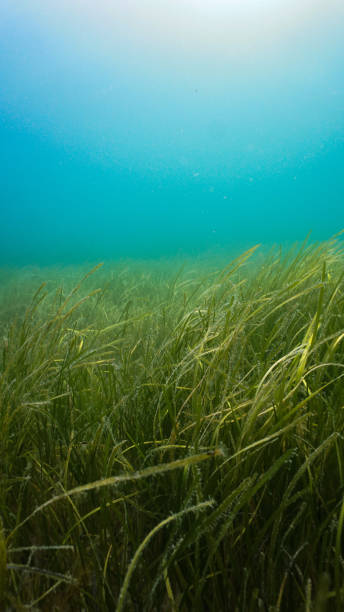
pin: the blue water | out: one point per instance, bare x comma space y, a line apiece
142, 128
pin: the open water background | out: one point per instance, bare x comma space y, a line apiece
150, 128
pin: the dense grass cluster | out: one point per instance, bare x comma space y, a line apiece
173, 439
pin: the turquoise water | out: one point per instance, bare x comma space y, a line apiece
146, 128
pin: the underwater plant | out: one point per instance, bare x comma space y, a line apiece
174, 441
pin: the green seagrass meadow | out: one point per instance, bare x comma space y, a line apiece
171, 435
